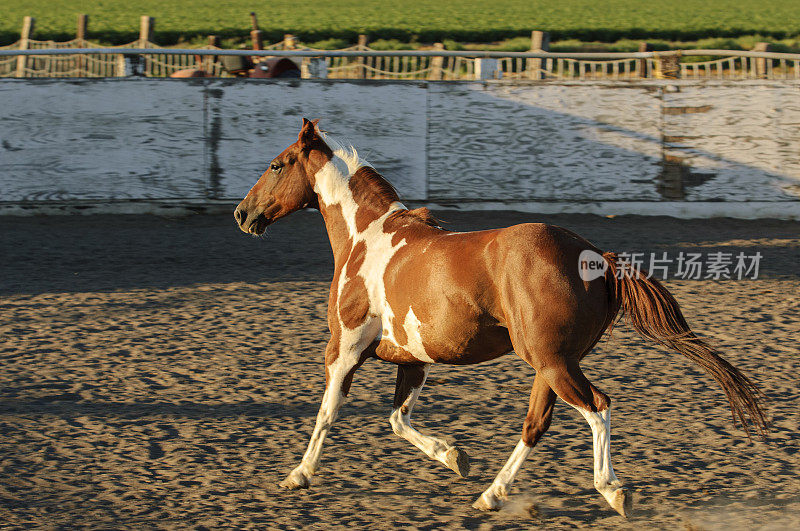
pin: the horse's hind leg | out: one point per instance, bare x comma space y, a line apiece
540, 412
410, 379
569, 382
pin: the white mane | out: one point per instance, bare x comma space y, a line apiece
346, 152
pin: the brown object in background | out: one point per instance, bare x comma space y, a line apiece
257, 39
189, 72
667, 65
276, 67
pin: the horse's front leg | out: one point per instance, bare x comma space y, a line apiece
341, 361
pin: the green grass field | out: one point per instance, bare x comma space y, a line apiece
410, 21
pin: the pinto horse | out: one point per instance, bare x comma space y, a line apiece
406, 291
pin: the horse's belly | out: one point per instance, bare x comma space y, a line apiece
486, 343
442, 342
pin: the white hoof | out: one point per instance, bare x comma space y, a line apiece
488, 502
295, 480
457, 460
621, 500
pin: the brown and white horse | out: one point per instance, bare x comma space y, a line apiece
408, 292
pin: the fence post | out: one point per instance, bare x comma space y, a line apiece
761, 63
644, 47
83, 23
209, 60
437, 63
289, 41
137, 65
80, 35
28, 24
540, 42
129, 65
314, 68
668, 65
487, 69
361, 71
121, 66
258, 39
146, 25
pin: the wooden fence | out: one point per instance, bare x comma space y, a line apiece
369, 63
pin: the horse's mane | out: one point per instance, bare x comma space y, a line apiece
370, 186
368, 182
422, 214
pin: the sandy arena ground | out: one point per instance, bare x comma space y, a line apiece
165, 373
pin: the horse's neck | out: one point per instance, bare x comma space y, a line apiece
353, 206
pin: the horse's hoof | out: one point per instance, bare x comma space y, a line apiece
457, 460
295, 480
621, 500
487, 502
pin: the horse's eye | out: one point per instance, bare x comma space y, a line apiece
276, 167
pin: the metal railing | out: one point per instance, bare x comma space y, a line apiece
361, 62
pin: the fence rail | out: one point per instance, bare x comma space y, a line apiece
81, 58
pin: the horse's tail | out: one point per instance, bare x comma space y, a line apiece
656, 315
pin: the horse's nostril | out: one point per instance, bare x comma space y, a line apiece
239, 215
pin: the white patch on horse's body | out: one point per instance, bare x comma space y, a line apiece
414, 345
494, 497
332, 184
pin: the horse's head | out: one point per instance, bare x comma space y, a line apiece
288, 183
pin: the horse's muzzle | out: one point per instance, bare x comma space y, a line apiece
249, 222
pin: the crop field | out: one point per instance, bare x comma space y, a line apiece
409, 21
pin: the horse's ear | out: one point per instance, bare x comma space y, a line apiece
308, 132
